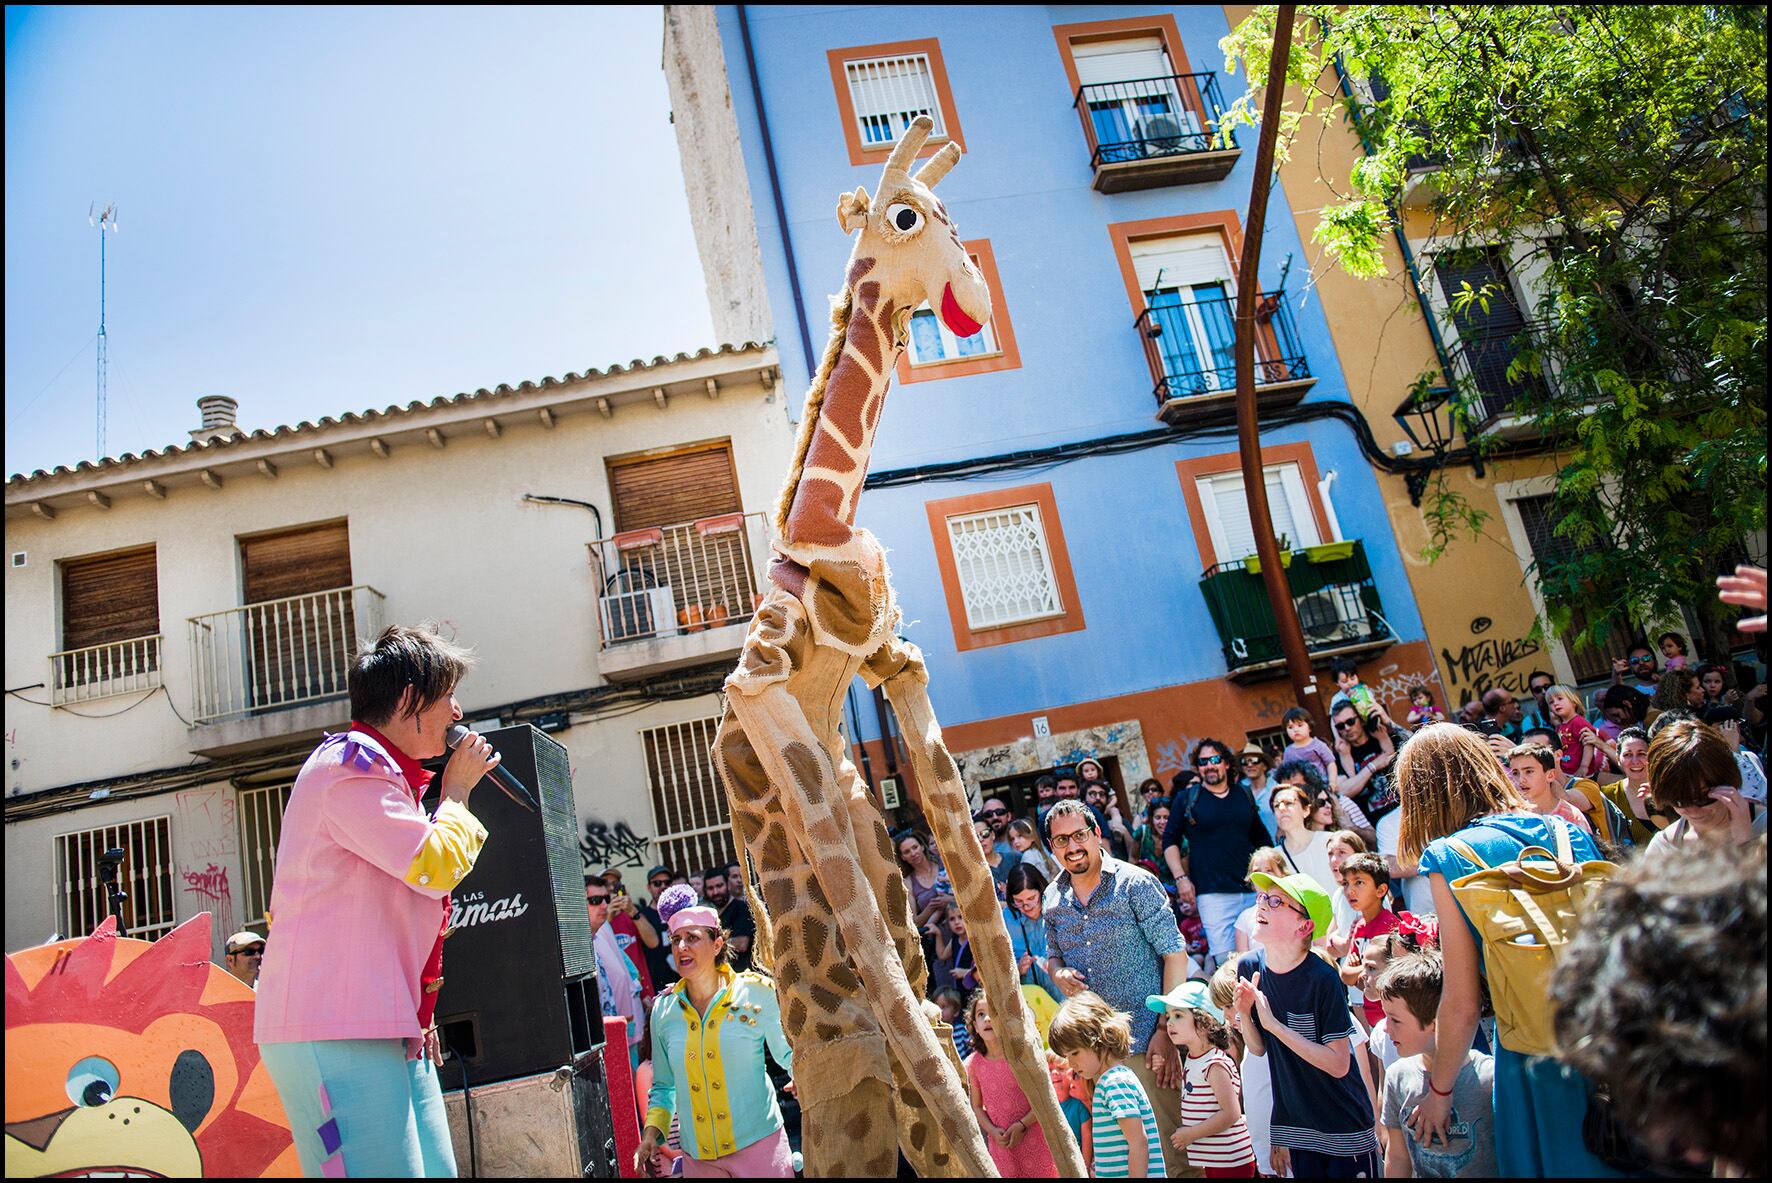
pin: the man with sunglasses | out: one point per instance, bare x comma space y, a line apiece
1219, 827
1640, 670
245, 953
658, 950
1255, 765
995, 813
618, 982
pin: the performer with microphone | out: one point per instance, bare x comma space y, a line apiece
360, 902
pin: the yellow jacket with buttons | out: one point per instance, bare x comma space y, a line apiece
709, 1068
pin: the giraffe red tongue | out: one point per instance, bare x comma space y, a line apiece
957, 321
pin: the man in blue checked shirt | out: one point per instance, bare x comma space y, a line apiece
1109, 928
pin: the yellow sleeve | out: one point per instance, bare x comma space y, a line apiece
449, 850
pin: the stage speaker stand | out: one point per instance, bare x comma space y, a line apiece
519, 1011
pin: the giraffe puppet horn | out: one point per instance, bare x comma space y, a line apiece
938, 165
909, 144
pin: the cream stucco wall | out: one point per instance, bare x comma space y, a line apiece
443, 533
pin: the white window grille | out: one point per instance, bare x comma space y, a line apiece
83, 902
1227, 511
1004, 566
691, 822
888, 93
261, 825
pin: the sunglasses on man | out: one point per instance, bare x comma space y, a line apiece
1211, 760
993, 813
1248, 760
1347, 723
594, 900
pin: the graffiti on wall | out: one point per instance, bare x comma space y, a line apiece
152, 1044
206, 819
211, 886
1489, 662
612, 846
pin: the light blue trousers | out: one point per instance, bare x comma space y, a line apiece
359, 1109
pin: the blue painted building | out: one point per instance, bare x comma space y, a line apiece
1059, 495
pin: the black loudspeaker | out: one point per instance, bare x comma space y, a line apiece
520, 993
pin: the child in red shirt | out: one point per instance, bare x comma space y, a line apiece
1366, 880
1580, 757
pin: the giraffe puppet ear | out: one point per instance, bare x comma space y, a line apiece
852, 210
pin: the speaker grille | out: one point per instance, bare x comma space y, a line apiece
559, 821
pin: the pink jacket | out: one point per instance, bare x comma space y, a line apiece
350, 934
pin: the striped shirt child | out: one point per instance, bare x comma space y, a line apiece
1228, 1148
1118, 1094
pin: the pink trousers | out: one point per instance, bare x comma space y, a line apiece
768, 1157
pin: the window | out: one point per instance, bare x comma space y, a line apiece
1005, 571
691, 820
1133, 101
1188, 285
83, 902
299, 617
261, 826
934, 352
890, 92
1227, 511
110, 626
1588, 662
1489, 331
882, 88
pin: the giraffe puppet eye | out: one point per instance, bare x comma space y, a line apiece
904, 217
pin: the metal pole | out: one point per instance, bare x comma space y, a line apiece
1273, 574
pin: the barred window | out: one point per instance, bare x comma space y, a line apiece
1005, 566
82, 900
888, 93
261, 826
691, 822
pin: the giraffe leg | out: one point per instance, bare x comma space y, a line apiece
849, 1136
899, 665
796, 761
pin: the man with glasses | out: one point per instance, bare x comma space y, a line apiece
995, 813
1537, 682
1365, 764
618, 982
658, 950
1110, 929
1640, 670
245, 953
1255, 765
1097, 795
1218, 825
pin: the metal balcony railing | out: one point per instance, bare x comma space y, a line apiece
667, 581
1332, 586
1190, 346
279, 653
1479, 366
99, 671
1147, 118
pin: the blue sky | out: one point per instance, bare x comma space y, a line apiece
324, 210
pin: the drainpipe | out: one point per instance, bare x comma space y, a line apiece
1329, 505
781, 215
1433, 327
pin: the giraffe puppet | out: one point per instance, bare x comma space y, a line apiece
873, 1074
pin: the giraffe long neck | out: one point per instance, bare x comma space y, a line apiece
842, 414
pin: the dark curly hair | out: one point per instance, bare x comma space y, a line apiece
1661, 1000
1224, 749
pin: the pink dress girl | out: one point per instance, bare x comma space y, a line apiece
1005, 1105
1575, 757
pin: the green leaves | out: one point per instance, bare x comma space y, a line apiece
1617, 156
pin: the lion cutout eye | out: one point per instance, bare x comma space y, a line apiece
93, 1081
904, 218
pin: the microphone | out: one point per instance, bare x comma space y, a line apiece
513, 788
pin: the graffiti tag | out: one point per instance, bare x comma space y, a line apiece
1485, 665
210, 884
207, 817
618, 846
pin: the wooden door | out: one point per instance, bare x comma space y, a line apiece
105, 600
299, 641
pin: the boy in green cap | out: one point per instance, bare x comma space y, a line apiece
1294, 1010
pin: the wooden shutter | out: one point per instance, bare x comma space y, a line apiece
113, 598
297, 647
296, 562
670, 490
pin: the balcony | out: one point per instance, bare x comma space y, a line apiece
101, 671
671, 597
1338, 608
1152, 132
1189, 347
287, 656
1480, 367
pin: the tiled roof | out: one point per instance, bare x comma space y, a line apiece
638, 365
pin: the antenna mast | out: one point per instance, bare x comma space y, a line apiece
105, 219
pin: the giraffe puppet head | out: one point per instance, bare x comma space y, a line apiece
907, 233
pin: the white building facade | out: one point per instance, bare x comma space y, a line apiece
179, 623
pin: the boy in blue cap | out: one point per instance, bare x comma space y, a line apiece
1294, 1010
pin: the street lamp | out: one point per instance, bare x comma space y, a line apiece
1431, 417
